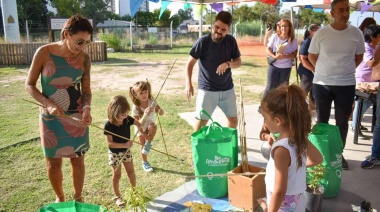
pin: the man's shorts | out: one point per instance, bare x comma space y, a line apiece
209, 100
114, 159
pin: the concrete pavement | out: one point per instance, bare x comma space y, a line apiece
357, 184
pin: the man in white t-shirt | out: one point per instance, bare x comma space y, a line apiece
335, 51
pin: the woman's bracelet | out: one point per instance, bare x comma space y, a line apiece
86, 106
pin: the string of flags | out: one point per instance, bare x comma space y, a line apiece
365, 5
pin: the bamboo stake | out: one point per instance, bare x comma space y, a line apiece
76, 119
242, 132
143, 119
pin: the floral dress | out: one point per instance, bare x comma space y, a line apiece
63, 137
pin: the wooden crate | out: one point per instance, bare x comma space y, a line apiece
243, 191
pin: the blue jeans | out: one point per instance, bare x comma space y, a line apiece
366, 105
343, 97
376, 130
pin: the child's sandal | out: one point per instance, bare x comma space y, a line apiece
119, 202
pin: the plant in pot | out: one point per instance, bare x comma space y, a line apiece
314, 190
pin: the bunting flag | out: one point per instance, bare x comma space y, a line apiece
232, 3
269, 2
164, 5
364, 7
308, 7
198, 11
318, 10
218, 7
134, 6
186, 6
326, 1
289, 0
155, 1
175, 7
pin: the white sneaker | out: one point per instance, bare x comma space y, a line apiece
146, 166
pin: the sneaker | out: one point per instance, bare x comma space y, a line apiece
146, 149
360, 134
344, 164
146, 166
370, 162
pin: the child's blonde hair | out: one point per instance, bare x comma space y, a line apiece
117, 106
140, 86
289, 103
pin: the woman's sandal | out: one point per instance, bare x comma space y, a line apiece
60, 198
118, 201
78, 199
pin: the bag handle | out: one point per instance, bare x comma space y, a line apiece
212, 124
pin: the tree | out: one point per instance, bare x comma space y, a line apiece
209, 17
145, 18
244, 13
164, 21
308, 16
266, 12
33, 11
185, 14
97, 10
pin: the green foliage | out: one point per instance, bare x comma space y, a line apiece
315, 177
249, 28
309, 16
33, 11
145, 18
112, 40
137, 199
152, 38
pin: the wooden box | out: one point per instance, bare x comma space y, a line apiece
243, 191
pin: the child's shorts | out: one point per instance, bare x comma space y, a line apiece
114, 159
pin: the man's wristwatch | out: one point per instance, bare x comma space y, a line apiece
229, 64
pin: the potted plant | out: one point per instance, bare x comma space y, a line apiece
314, 190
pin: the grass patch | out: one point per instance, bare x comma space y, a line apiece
24, 183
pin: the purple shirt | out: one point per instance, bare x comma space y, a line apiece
363, 72
289, 49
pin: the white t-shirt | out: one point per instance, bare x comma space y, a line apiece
336, 51
296, 177
149, 119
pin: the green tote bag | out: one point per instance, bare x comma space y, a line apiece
215, 151
326, 138
72, 206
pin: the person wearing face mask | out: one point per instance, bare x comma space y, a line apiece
217, 53
335, 52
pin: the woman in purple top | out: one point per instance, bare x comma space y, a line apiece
364, 70
283, 47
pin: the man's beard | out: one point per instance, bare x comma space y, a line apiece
219, 39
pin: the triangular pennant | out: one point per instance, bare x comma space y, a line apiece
218, 7
232, 3
155, 1
326, 1
308, 7
318, 10
274, 2
289, 0
198, 11
164, 5
175, 6
364, 7
134, 6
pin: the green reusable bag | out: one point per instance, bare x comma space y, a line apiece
326, 138
215, 151
72, 206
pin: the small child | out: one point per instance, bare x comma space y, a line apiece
119, 123
285, 112
143, 110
